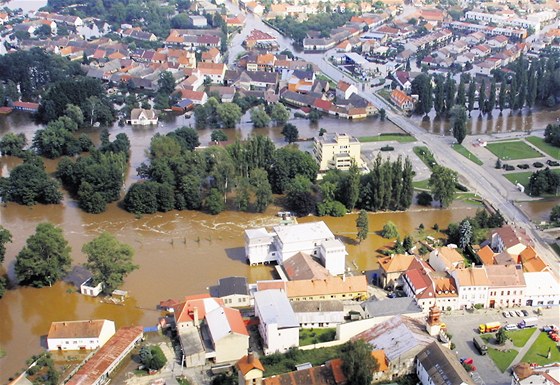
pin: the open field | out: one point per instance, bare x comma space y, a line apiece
520, 337
315, 336
502, 359
545, 147
386, 138
513, 150
467, 154
539, 351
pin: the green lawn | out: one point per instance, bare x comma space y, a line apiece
520, 337
513, 150
519, 177
551, 150
502, 359
538, 352
315, 336
422, 185
425, 156
386, 138
466, 153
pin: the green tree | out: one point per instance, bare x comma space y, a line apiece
166, 83
459, 122
279, 114
358, 364
502, 96
461, 93
218, 136
408, 243
299, 196
12, 144
259, 117
491, 102
482, 97
187, 137
141, 198
389, 230
382, 114
5, 237
75, 113
471, 94
422, 86
442, 184
351, 187
214, 202
29, 184
450, 92
45, 258
109, 261
242, 195
262, 189
90, 201
439, 94
554, 218
501, 336
229, 114
290, 133
152, 357
465, 234
362, 225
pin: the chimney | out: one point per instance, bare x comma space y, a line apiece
250, 357
195, 316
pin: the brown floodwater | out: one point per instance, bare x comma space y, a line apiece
524, 120
539, 210
179, 253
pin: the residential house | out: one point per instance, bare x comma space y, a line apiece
98, 369
79, 335
526, 374
193, 309
226, 93
481, 50
304, 375
497, 42
213, 71
531, 262
233, 291
318, 44
298, 80
213, 55
228, 334
374, 307
344, 89
197, 97
432, 15
319, 314
401, 338
250, 370
437, 365
198, 21
486, 255
334, 151
26, 106
402, 78
142, 117
313, 238
258, 38
472, 286
542, 289
137, 34
391, 270
402, 100
507, 285
4, 17
278, 325
507, 239
92, 291
446, 259
183, 106
303, 266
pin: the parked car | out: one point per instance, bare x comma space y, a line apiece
552, 163
519, 313
506, 314
512, 313
525, 313
538, 165
511, 327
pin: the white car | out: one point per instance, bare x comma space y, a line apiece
506, 314
510, 327
519, 314
512, 313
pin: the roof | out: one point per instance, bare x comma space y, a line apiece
77, 329
136, 112
473, 276
317, 306
231, 286
303, 232
442, 366
397, 336
105, 357
391, 307
274, 308
486, 255
400, 97
223, 321
318, 375
29, 105
343, 86
184, 312
531, 261
327, 286
211, 68
303, 266
449, 256
395, 263
505, 275
508, 235
541, 283
248, 363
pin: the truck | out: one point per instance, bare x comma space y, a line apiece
480, 345
489, 327
530, 322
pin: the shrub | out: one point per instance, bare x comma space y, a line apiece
424, 199
478, 306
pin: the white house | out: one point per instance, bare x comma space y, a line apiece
285, 241
437, 365
233, 291
278, 326
344, 89
507, 239
142, 117
445, 259
319, 314
230, 339
507, 285
472, 286
542, 289
79, 335
92, 291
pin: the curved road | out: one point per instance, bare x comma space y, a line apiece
480, 180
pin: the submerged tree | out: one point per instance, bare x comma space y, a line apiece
362, 225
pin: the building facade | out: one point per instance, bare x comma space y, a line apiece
337, 152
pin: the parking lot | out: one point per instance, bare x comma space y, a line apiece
463, 326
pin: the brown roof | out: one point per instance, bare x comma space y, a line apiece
302, 266
395, 263
531, 261
505, 275
318, 375
328, 286
112, 351
76, 329
486, 255
211, 68
248, 363
472, 277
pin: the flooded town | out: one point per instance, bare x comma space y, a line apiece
254, 192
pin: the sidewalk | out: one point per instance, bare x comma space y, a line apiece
525, 348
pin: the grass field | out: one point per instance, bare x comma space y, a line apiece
502, 359
519, 177
466, 153
513, 150
425, 156
545, 147
422, 185
520, 337
386, 138
539, 351
315, 336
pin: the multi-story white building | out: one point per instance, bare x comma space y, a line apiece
337, 151
533, 21
79, 335
507, 285
283, 242
542, 289
472, 286
278, 326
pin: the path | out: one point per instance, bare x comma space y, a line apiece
526, 348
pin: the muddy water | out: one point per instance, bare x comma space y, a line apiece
499, 122
539, 210
178, 253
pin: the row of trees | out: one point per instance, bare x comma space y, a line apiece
552, 134
543, 182
323, 23
45, 258
5, 237
473, 230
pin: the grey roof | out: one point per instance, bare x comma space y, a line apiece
389, 307
190, 341
295, 97
442, 366
303, 266
274, 307
232, 285
317, 306
301, 232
